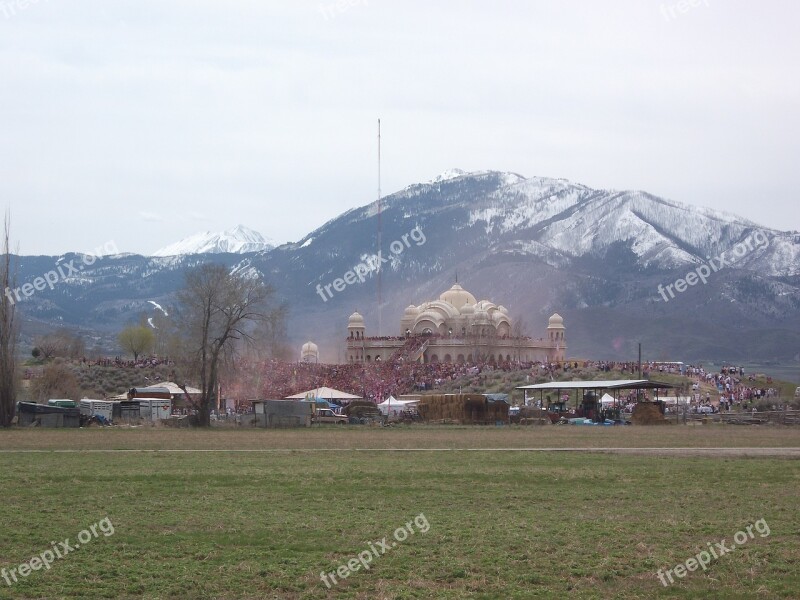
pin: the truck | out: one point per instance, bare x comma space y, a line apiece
326, 415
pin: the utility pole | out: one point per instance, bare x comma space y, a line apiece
380, 268
640, 360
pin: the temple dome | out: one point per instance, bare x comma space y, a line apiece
457, 296
356, 320
411, 311
556, 321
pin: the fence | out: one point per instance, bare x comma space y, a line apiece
773, 417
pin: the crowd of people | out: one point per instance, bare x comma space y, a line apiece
372, 381
733, 390
118, 361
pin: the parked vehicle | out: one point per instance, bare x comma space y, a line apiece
103, 408
326, 415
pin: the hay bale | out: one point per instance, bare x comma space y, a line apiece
462, 408
362, 409
647, 413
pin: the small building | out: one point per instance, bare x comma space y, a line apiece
42, 415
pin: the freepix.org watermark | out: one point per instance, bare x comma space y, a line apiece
60, 273
373, 263
10, 8
703, 558
46, 559
672, 11
330, 10
365, 558
757, 240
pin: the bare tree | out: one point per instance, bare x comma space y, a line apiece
217, 310
8, 333
519, 333
64, 343
57, 381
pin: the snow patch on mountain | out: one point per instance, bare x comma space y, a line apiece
448, 175
238, 240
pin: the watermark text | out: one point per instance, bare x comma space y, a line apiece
58, 550
365, 558
371, 264
716, 550
758, 240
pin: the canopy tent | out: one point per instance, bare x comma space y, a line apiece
174, 389
587, 391
325, 393
611, 384
607, 400
596, 386
395, 406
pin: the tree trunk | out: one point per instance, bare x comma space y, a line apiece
8, 336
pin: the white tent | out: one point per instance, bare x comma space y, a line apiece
395, 406
607, 400
325, 393
175, 390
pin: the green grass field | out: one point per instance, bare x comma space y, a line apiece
502, 524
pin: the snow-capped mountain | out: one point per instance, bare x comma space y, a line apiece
238, 240
536, 245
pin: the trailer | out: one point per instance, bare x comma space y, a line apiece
97, 408
154, 409
149, 393
126, 411
63, 403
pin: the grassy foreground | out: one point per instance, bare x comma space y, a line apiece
502, 525
426, 436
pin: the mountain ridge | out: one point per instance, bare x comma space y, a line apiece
536, 245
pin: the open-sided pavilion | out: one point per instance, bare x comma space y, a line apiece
611, 387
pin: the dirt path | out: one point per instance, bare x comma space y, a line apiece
732, 452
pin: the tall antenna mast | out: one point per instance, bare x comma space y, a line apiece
380, 269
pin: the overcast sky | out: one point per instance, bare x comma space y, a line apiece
142, 122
